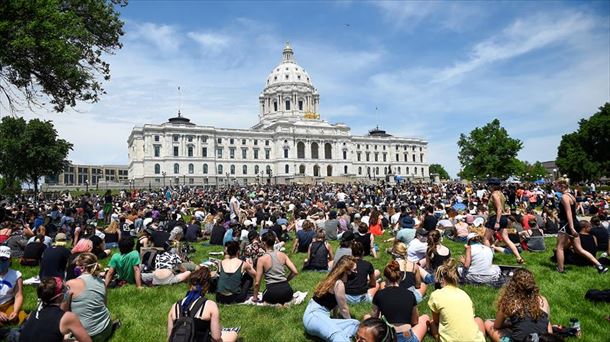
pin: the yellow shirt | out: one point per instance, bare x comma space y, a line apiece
456, 315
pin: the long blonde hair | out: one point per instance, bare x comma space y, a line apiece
88, 261
343, 265
112, 228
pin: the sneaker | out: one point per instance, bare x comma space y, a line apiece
601, 269
560, 271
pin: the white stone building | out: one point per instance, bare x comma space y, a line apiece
290, 143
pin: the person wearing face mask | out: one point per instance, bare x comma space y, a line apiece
11, 291
86, 298
49, 322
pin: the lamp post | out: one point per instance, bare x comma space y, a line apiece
555, 174
86, 186
227, 175
163, 174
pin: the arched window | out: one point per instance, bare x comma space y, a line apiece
328, 151
287, 103
316, 171
256, 169
301, 169
407, 170
314, 150
286, 168
191, 168
345, 169
205, 169
285, 153
399, 170
176, 168
232, 168
275, 106
377, 170
268, 170
157, 169
244, 169
385, 170
220, 169
360, 171
301, 150
422, 172
329, 171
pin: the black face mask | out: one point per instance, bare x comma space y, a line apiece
437, 286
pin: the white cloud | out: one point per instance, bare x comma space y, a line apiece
163, 37
210, 42
405, 14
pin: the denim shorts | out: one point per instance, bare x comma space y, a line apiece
401, 338
355, 299
418, 296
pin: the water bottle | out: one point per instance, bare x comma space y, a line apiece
575, 324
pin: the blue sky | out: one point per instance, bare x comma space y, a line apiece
433, 69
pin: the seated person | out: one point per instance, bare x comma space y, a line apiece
126, 265
304, 237
55, 259
411, 274
461, 229
217, 235
533, 237
11, 291
320, 254
50, 321
193, 231
521, 310
399, 307
601, 235
205, 311
33, 252
254, 249
360, 286
376, 330
416, 251
168, 268
477, 263
345, 245
42, 230
235, 277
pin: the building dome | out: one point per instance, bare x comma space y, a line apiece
288, 72
289, 92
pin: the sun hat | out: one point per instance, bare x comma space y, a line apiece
471, 236
478, 222
5, 252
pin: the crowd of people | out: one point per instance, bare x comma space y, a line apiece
147, 236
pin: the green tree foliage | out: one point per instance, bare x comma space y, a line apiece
55, 48
440, 170
530, 172
30, 150
585, 154
488, 151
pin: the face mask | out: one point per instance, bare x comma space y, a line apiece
4, 265
77, 271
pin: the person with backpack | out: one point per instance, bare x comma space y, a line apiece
196, 318
320, 254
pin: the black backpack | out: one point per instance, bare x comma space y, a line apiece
148, 260
184, 324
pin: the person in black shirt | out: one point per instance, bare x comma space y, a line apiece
601, 234
55, 259
218, 233
361, 286
33, 252
193, 231
430, 220
399, 307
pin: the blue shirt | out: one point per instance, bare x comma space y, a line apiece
228, 236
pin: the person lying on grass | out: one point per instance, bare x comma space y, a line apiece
271, 265
452, 309
521, 310
205, 311
329, 296
399, 307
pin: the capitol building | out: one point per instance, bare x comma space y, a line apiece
291, 143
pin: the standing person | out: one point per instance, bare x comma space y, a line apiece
328, 296
569, 229
271, 265
49, 320
107, 206
205, 311
521, 305
497, 221
11, 292
452, 309
87, 298
399, 307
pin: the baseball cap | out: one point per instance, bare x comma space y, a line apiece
478, 222
471, 235
357, 216
422, 232
5, 252
247, 223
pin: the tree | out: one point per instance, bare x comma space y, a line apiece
488, 151
584, 154
440, 170
55, 48
531, 172
30, 150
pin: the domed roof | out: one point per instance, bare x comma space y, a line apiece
288, 71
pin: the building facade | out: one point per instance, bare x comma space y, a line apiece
290, 143
91, 175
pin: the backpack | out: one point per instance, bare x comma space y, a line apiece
184, 324
148, 260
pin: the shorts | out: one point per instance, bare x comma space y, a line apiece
356, 299
400, 337
416, 293
491, 222
164, 277
278, 293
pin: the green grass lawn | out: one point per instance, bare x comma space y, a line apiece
144, 312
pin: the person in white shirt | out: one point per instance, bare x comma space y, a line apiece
416, 252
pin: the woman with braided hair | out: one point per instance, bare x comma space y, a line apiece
49, 320
375, 330
522, 311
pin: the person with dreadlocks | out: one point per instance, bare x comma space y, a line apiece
328, 296
375, 330
522, 311
49, 322
207, 315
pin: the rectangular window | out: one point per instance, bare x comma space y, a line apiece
368, 157
266, 142
204, 139
255, 141
176, 137
190, 138
414, 158
385, 157
232, 153
156, 138
300, 105
275, 106
344, 155
157, 150
204, 152
286, 154
219, 153
175, 151
287, 105
231, 141
267, 154
219, 140
255, 154
358, 155
190, 151
243, 141
397, 158
376, 157
244, 153
407, 157
358, 146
